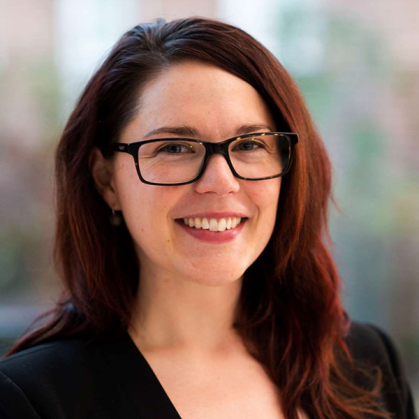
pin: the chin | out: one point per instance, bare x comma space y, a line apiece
215, 278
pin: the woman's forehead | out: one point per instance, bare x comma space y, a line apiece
202, 96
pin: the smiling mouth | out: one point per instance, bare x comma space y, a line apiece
212, 224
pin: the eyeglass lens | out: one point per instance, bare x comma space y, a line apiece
179, 160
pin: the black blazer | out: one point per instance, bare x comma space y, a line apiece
78, 379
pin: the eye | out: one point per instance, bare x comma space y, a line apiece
175, 148
249, 145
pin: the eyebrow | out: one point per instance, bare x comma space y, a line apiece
247, 129
190, 131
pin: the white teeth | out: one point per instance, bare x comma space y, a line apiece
205, 224
198, 223
222, 224
213, 225
228, 223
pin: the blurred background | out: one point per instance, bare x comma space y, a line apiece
357, 64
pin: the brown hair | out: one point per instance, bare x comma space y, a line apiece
290, 314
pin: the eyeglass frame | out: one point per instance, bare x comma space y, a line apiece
210, 149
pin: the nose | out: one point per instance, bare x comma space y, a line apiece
217, 177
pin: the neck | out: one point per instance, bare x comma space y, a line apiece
173, 313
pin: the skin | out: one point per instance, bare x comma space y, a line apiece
189, 289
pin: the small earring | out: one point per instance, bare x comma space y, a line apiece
115, 219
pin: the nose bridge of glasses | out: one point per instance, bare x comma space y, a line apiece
217, 148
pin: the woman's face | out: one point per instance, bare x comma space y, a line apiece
216, 105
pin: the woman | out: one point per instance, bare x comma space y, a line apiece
192, 203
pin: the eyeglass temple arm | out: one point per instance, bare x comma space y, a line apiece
119, 147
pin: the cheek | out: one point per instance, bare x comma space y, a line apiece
146, 210
144, 220
137, 201
265, 197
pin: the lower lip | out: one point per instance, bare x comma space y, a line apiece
212, 236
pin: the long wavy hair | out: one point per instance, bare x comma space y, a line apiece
290, 315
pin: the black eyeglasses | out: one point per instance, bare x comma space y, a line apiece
179, 161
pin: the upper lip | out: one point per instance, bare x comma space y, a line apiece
216, 215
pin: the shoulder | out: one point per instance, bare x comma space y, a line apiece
80, 378
373, 350
46, 376
45, 356
51, 362
369, 342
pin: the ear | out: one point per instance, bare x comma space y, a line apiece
102, 172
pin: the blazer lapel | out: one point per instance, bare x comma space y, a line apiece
137, 380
